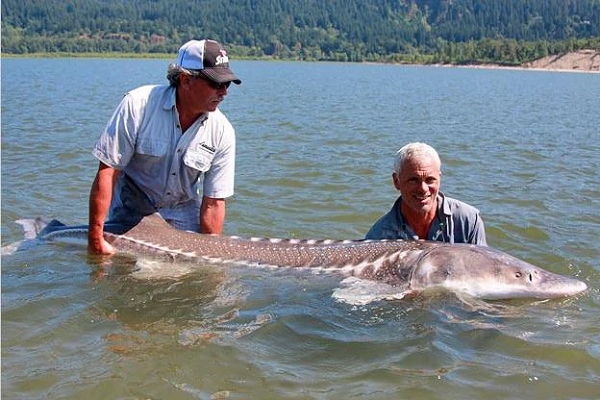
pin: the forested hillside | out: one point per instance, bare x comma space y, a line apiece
457, 31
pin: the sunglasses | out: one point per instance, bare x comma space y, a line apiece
213, 84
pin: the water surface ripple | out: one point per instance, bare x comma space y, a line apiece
315, 149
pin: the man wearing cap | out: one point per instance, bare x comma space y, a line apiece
168, 149
422, 211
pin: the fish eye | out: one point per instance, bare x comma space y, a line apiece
518, 274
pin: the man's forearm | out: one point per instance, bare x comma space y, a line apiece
99, 202
212, 215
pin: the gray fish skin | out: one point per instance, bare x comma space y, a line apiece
412, 266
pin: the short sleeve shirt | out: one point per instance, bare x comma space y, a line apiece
455, 222
174, 169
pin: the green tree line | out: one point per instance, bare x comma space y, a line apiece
413, 31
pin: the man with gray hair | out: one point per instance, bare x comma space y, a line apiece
422, 212
168, 149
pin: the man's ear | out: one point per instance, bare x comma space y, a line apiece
185, 79
396, 180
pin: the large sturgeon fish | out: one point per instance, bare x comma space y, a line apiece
410, 266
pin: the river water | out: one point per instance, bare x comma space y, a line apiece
315, 149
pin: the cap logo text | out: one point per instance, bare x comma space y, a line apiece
222, 59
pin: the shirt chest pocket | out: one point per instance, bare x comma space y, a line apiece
200, 161
150, 156
152, 148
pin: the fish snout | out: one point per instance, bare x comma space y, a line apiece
549, 284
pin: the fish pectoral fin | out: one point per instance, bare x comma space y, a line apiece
358, 291
410, 294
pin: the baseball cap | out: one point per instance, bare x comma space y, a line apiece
209, 57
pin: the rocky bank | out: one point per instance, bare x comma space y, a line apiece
581, 60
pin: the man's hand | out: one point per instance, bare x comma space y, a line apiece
97, 245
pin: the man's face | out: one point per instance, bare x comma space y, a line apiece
204, 95
419, 184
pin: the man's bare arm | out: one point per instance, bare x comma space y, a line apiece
212, 215
100, 198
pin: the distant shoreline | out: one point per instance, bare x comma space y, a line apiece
516, 68
581, 61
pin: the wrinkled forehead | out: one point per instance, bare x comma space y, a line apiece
420, 166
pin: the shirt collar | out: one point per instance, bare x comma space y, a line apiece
443, 206
169, 102
443, 213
